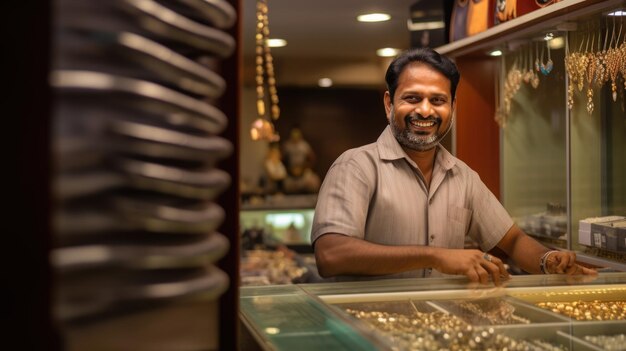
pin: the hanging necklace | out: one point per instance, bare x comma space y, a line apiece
547, 67
612, 62
262, 127
591, 70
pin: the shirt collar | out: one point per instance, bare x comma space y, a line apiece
390, 149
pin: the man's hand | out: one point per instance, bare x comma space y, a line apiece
564, 262
474, 264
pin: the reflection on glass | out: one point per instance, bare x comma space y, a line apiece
598, 149
534, 143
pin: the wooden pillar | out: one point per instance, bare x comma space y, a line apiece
477, 133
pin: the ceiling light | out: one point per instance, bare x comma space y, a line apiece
618, 13
276, 43
548, 36
387, 52
373, 17
495, 53
325, 82
272, 330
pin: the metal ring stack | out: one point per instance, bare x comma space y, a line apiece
135, 150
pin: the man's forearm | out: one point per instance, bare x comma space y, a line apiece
524, 250
338, 254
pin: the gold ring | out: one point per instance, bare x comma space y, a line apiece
487, 257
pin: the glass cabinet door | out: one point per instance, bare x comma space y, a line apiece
598, 133
533, 120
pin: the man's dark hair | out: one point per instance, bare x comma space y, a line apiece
427, 56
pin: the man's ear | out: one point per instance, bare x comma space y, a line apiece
388, 105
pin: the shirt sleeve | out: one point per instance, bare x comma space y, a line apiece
342, 202
490, 220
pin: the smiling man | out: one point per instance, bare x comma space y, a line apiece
402, 206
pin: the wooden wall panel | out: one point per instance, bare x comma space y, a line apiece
477, 134
332, 120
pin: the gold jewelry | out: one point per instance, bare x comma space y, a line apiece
262, 127
591, 69
570, 70
588, 310
511, 86
600, 62
613, 61
534, 77
581, 66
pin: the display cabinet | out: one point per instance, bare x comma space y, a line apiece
282, 219
540, 312
275, 240
558, 100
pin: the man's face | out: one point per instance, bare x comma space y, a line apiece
420, 114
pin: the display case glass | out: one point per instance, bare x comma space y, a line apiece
561, 106
533, 112
275, 242
564, 141
286, 226
541, 312
598, 134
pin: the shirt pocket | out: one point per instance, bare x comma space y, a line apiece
459, 222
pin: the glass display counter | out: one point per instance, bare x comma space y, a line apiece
538, 312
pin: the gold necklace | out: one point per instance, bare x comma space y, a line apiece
262, 127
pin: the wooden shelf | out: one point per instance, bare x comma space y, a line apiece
550, 18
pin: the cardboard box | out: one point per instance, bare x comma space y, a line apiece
584, 228
609, 235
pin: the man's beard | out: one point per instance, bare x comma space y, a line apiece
413, 141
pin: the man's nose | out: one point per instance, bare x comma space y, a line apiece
424, 108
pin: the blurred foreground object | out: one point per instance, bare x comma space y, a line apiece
135, 149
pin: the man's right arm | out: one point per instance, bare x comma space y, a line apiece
338, 254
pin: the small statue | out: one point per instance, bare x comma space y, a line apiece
299, 158
275, 170
298, 153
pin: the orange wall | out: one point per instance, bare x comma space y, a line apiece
477, 134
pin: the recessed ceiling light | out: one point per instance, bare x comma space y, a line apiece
373, 17
272, 330
325, 82
495, 53
276, 43
618, 13
387, 52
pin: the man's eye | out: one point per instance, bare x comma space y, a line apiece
413, 99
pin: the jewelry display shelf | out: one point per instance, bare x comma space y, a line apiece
551, 148
428, 313
553, 17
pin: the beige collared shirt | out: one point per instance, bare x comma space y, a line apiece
377, 193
